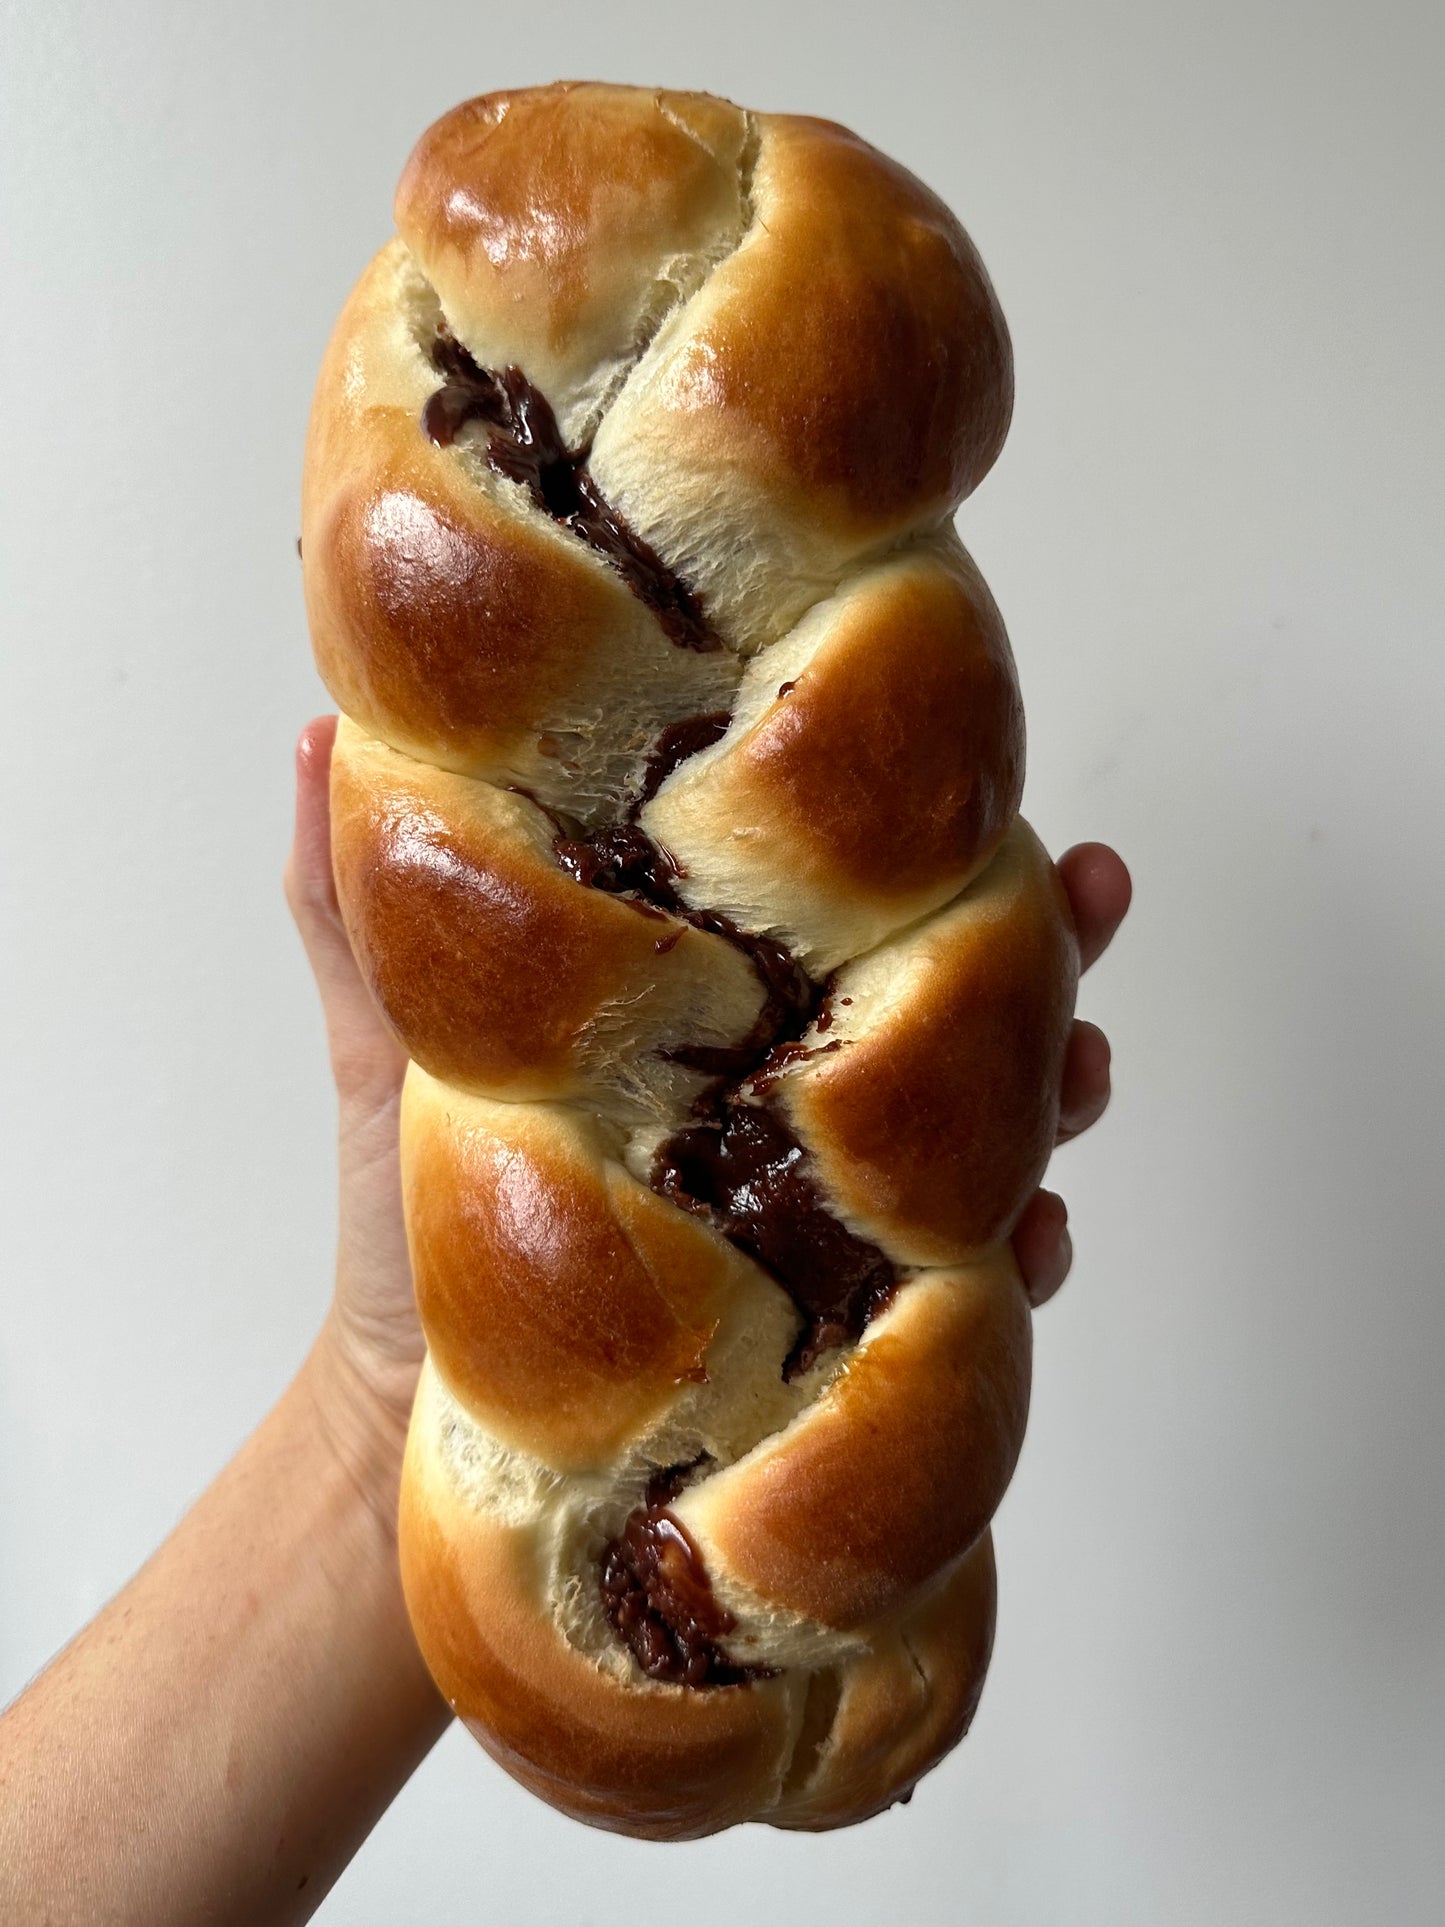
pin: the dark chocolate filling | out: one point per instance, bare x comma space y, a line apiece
658, 1595
739, 1164
624, 860
748, 1171
741, 1167
525, 444
676, 743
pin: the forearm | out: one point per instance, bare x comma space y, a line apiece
218, 1742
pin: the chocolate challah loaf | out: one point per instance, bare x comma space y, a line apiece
675, 825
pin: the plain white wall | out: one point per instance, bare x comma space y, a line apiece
1219, 1688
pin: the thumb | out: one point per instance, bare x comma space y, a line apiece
366, 1058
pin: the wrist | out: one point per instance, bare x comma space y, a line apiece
362, 1412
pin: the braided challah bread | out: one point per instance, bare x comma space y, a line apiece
675, 826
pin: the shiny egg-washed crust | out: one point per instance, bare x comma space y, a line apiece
503, 975
785, 367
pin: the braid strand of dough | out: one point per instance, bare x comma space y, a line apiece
675, 826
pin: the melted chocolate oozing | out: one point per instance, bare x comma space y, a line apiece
788, 1006
676, 744
749, 1172
657, 1594
525, 444
622, 860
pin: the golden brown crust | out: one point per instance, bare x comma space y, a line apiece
895, 1470
931, 1123
886, 393
880, 773
844, 378
546, 217
895, 763
852, 353
565, 1304
901, 1707
425, 613
498, 971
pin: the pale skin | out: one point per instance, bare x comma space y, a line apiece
220, 1739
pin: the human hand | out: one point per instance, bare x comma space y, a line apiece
372, 1338
1099, 888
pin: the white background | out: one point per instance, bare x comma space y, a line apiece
1216, 533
